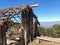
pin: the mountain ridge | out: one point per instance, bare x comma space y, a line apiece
49, 24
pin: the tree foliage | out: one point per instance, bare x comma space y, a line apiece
53, 31
12, 24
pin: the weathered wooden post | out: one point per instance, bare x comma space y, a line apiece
24, 23
22, 27
36, 33
3, 29
35, 27
30, 13
0, 32
27, 24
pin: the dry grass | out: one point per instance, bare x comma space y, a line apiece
48, 43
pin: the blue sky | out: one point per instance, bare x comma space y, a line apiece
48, 10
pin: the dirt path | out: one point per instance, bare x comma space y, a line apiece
43, 42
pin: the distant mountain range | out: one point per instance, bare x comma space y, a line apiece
49, 24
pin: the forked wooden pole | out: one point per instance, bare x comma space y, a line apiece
27, 24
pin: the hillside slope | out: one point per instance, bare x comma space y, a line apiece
49, 24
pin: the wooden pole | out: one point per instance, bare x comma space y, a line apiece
27, 24
35, 27
22, 28
36, 32
31, 23
3, 29
24, 23
26, 19
0, 33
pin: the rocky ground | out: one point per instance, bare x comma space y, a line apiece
13, 38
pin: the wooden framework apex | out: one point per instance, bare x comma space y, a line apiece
17, 8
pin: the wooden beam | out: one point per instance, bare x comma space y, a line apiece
17, 7
56, 40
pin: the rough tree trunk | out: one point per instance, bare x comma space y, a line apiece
3, 29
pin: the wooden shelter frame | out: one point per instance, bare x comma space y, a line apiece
26, 24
